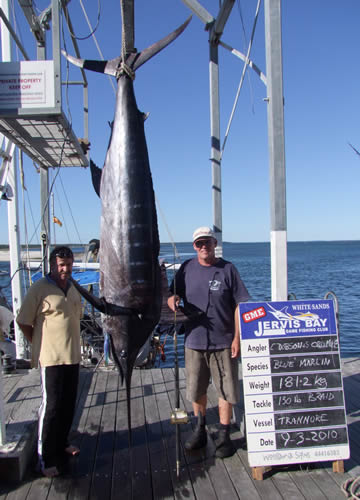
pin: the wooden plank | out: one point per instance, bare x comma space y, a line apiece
18, 492
64, 484
21, 405
85, 389
71, 482
306, 484
102, 405
121, 472
241, 480
101, 483
80, 487
285, 485
266, 489
326, 482
196, 460
159, 466
337, 478
141, 477
182, 486
11, 381
39, 488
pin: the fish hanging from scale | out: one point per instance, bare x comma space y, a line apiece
130, 278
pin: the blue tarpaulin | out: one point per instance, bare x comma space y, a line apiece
88, 277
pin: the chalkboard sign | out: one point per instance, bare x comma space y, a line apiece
293, 391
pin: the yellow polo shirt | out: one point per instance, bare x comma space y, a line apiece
55, 317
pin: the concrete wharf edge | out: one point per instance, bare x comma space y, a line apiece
107, 468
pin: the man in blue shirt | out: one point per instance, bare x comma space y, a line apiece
212, 343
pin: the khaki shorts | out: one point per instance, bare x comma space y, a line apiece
220, 366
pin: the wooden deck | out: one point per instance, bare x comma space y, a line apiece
107, 469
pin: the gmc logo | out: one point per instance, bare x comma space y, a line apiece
254, 314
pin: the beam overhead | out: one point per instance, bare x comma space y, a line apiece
221, 19
199, 11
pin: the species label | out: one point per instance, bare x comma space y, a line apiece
293, 390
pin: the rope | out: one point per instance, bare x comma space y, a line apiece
350, 487
124, 69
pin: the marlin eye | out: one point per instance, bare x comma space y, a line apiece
123, 354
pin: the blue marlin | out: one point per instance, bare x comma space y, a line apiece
130, 278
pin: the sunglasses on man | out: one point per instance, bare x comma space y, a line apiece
201, 243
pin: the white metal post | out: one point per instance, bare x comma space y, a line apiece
4, 5
279, 285
13, 212
15, 260
215, 145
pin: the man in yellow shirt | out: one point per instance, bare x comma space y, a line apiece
50, 319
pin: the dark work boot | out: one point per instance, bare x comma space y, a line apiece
198, 438
224, 445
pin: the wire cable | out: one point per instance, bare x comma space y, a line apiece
92, 30
241, 79
97, 45
245, 44
70, 210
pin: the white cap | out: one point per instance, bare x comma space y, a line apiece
203, 232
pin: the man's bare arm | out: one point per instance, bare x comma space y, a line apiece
235, 346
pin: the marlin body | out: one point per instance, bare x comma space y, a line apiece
130, 278
129, 269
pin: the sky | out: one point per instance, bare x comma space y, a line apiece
321, 74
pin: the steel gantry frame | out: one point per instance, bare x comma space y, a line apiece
45, 135
275, 100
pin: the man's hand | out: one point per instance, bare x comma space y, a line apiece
235, 348
173, 302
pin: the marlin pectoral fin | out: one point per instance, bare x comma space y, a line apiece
95, 177
134, 61
115, 310
93, 65
105, 307
151, 51
183, 315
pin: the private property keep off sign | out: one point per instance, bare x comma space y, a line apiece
293, 391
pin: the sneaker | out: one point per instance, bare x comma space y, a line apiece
197, 440
224, 445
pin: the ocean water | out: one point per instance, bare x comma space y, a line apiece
314, 268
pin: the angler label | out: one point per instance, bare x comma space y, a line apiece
293, 391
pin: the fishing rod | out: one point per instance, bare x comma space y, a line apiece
178, 416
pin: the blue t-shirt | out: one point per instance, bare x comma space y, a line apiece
216, 290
